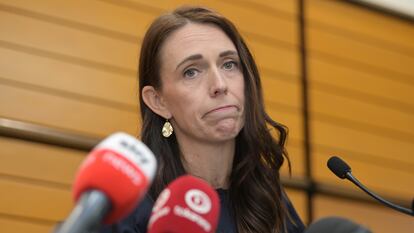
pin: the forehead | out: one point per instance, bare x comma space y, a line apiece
195, 38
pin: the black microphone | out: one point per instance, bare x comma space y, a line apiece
335, 225
343, 171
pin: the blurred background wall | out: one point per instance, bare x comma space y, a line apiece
68, 78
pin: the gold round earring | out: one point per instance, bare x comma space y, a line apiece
167, 129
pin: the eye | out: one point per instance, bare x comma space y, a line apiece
190, 73
230, 65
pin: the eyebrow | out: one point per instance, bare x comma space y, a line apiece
190, 58
227, 53
199, 56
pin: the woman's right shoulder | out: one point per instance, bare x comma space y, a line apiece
136, 222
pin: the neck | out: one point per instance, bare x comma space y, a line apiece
210, 162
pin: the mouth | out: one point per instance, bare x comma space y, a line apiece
222, 109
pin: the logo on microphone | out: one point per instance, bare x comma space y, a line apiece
162, 199
133, 147
198, 201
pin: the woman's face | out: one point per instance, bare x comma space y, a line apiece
202, 84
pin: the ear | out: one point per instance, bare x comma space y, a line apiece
154, 101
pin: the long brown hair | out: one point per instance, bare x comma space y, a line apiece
255, 191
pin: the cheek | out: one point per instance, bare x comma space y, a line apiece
241, 96
183, 105
187, 115
240, 92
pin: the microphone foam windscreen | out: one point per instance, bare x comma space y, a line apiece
338, 167
335, 225
188, 204
122, 168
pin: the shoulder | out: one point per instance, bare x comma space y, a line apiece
136, 222
293, 223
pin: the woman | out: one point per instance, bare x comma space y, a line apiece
203, 114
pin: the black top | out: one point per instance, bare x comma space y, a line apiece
137, 221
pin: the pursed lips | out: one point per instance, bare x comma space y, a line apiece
225, 107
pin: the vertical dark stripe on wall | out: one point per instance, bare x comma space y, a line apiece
305, 109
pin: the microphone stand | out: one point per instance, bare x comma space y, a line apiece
354, 180
86, 216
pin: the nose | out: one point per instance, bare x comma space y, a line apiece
218, 84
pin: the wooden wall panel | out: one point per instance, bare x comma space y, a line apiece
361, 94
11, 225
39, 162
36, 182
336, 78
34, 201
368, 25
70, 42
65, 113
358, 140
353, 51
103, 17
379, 219
62, 77
288, 9
270, 57
281, 91
367, 113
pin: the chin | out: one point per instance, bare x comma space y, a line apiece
228, 135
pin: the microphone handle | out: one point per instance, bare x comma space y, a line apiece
354, 180
88, 213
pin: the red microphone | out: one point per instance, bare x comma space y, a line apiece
110, 182
188, 204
